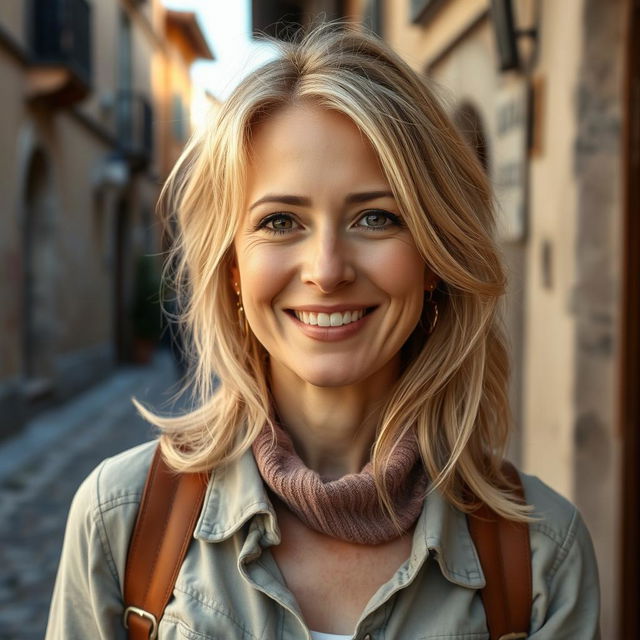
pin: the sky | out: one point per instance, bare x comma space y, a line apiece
227, 27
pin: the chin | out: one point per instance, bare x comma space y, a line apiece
329, 378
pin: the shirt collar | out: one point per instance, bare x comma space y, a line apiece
236, 494
442, 531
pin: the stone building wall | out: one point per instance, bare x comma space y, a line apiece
596, 301
77, 196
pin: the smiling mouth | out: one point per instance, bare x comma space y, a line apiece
335, 319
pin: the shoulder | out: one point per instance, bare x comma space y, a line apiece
105, 505
87, 598
554, 514
564, 570
118, 479
557, 522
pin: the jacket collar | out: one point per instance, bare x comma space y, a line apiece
236, 495
442, 531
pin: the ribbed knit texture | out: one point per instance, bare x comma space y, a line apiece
347, 508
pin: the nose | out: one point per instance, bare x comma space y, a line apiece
328, 262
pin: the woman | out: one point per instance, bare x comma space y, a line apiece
342, 283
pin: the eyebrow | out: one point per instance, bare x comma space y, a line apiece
352, 198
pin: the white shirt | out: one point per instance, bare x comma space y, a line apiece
318, 635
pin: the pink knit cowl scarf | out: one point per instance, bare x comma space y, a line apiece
347, 508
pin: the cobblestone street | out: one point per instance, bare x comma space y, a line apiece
41, 468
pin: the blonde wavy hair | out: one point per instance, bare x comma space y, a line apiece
453, 389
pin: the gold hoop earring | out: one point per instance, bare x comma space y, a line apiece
239, 300
242, 319
433, 316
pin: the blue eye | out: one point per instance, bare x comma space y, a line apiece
378, 220
371, 220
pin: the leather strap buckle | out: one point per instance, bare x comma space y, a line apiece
153, 632
513, 636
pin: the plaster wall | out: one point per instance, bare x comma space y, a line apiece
419, 45
354, 9
84, 305
550, 349
143, 46
469, 75
177, 88
99, 104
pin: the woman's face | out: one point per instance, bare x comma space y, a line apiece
332, 282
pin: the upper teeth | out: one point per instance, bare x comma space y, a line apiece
336, 319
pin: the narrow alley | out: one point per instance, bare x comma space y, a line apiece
40, 470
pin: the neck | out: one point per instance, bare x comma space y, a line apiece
332, 428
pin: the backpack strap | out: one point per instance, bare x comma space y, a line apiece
170, 506
505, 556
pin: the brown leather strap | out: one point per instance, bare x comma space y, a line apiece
170, 506
169, 510
505, 556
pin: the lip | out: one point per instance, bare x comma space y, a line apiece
330, 334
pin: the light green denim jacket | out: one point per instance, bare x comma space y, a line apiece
230, 588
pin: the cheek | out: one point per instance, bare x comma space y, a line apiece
264, 273
400, 271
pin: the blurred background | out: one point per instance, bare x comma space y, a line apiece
98, 99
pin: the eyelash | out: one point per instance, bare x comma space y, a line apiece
396, 220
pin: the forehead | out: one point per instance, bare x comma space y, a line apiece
306, 145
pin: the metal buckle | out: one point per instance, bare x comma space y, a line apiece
153, 634
513, 636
